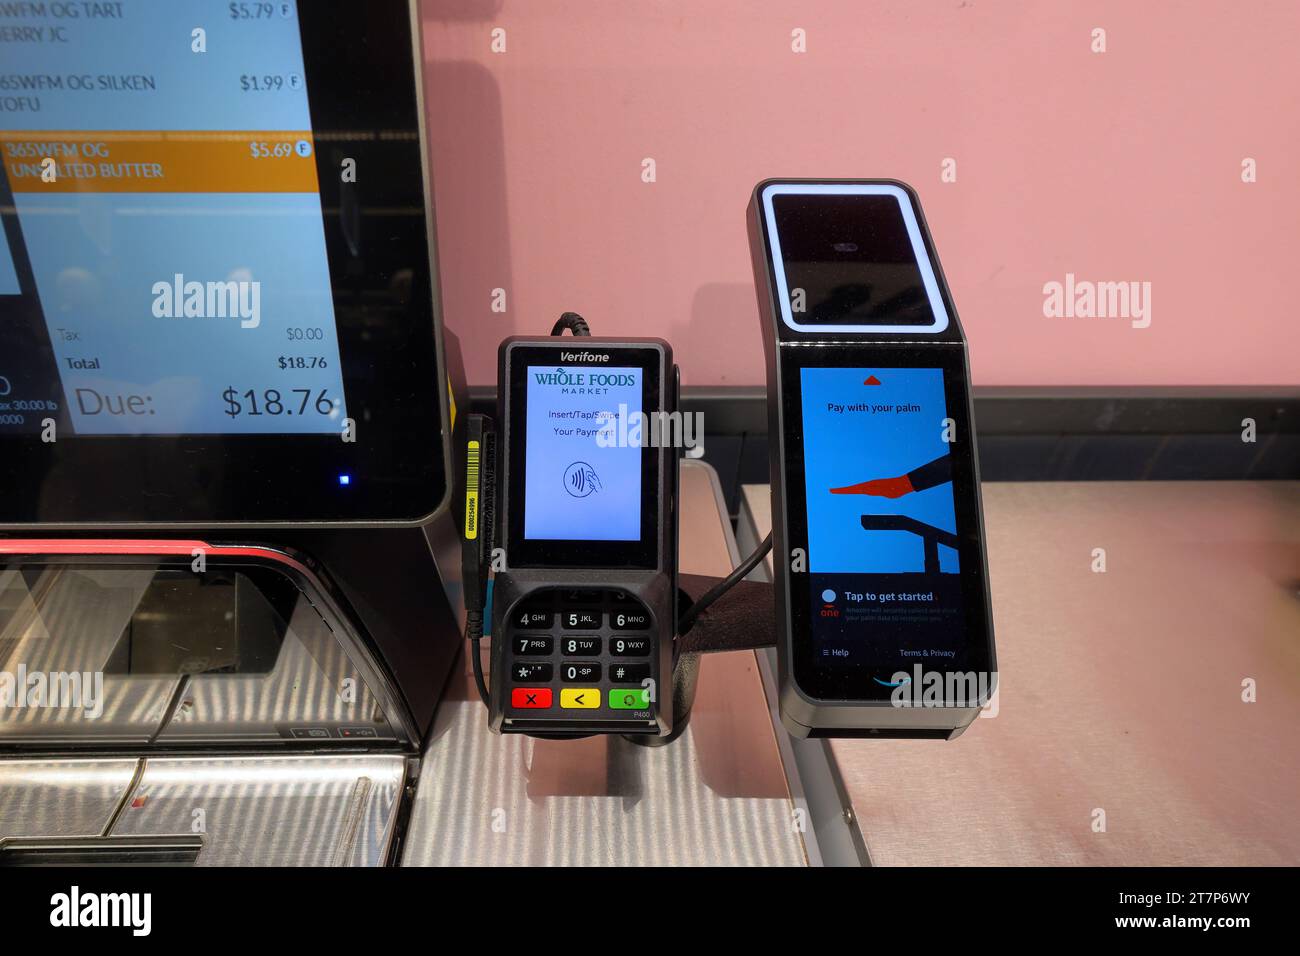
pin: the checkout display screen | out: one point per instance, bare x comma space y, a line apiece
163, 264
884, 568
583, 465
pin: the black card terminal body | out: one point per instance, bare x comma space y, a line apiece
883, 615
584, 597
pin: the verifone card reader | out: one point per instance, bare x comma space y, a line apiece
584, 608
883, 618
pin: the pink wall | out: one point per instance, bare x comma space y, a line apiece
1115, 166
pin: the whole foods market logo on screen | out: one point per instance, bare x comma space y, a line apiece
581, 381
180, 298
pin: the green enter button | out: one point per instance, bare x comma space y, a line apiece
636, 698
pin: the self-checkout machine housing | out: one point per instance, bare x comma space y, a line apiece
195, 504
882, 605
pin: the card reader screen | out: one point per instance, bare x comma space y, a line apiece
883, 557
583, 459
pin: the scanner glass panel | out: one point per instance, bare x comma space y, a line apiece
851, 257
155, 654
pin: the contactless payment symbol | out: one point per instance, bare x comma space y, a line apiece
580, 479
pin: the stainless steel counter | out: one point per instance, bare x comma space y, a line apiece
1119, 691
315, 810
61, 798
716, 796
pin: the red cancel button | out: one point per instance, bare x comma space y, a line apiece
530, 698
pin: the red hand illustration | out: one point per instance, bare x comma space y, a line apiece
879, 487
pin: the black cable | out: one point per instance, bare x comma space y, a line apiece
715, 592
474, 634
573, 322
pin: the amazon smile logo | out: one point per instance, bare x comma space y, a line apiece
892, 683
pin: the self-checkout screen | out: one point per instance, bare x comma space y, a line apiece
163, 267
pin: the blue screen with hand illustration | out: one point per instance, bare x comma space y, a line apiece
883, 557
874, 444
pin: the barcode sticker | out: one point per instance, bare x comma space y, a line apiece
471, 491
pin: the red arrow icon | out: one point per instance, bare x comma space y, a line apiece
872, 381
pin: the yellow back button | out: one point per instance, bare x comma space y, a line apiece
579, 698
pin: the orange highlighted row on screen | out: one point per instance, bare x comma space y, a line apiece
282, 161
